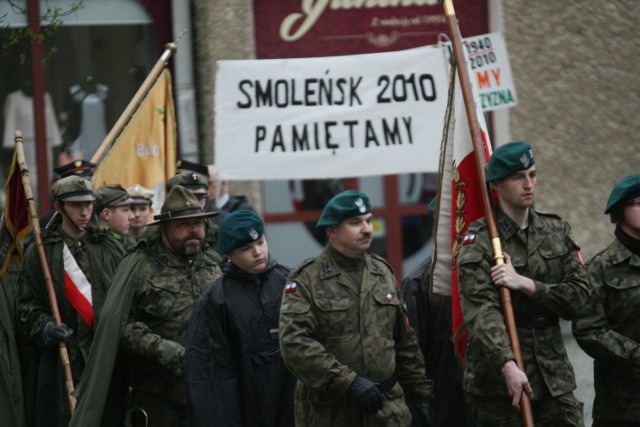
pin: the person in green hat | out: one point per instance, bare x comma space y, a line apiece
151, 297
141, 201
344, 332
543, 269
82, 259
235, 372
610, 333
113, 207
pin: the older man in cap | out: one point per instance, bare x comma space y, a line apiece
544, 271
141, 200
113, 207
82, 259
610, 333
344, 331
151, 298
235, 373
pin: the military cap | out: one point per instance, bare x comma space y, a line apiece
81, 168
347, 204
237, 229
140, 195
192, 181
508, 159
628, 188
180, 204
187, 166
111, 195
73, 189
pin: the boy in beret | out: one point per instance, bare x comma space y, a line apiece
344, 331
82, 259
543, 269
610, 333
235, 372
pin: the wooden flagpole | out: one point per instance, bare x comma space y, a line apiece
476, 136
53, 301
127, 114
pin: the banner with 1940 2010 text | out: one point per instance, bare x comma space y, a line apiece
328, 117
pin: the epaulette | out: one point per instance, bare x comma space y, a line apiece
375, 266
549, 214
304, 264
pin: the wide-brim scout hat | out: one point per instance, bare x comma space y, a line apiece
81, 168
180, 204
140, 195
73, 189
192, 181
111, 196
508, 159
628, 188
237, 229
344, 205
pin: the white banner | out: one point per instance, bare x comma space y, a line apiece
329, 117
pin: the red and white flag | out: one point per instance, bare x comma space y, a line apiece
459, 204
77, 288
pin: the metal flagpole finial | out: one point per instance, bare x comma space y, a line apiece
180, 36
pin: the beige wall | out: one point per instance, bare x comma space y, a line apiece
575, 65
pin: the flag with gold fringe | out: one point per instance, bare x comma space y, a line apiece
14, 223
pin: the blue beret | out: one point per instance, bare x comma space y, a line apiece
508, 159
237, 229
626, 189
347, 204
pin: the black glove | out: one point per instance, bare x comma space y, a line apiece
366, 394
423, 411
52, 333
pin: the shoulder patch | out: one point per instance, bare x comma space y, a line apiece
468, 238
290, 287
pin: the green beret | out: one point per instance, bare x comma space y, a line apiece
180, 204
73, 189
237, 229
111, 196
628, 188
192, 181
347, 204
508, 159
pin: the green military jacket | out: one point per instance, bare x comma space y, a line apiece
332, 329
99, 255
545, 253
610, 333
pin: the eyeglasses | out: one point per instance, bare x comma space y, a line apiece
634, 203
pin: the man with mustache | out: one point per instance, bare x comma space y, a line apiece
544, 271
344, 331
235, 373
81, 257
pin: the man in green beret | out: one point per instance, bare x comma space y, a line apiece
610, 333
544, 271
113, 207
153, 292
344, 331
82, 259
235, 372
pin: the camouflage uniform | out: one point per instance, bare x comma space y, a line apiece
611, 334
165, 289
97, 255
332, 328
546, 253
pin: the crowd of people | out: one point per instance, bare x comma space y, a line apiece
187, 319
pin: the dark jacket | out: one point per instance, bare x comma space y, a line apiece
430, 317
235, 373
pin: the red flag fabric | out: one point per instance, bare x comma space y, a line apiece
14, 224
459, 204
